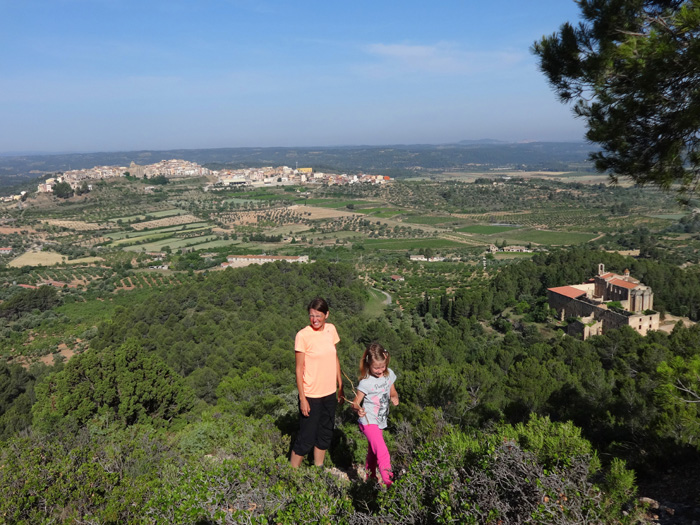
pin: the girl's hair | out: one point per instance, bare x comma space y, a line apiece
319, 304
374, 352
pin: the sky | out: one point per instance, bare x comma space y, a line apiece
121, 75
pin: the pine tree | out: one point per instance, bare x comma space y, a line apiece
631, 68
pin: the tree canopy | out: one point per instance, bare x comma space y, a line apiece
632, 70
62, 190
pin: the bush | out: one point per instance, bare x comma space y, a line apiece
491, 478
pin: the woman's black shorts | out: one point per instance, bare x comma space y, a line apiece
316, 430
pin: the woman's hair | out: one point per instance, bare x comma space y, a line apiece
319, 304
374, 352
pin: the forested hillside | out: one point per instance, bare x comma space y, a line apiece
183, 408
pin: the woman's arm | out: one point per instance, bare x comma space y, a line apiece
339, 379
394, 395
300, 358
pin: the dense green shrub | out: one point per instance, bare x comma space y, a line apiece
491, 478
233, 469
122, 384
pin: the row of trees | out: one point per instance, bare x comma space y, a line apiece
676, 291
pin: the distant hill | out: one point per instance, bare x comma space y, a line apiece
398, 159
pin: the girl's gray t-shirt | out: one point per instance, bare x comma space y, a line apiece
376, 402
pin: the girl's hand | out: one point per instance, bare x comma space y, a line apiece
394, 396
357, 404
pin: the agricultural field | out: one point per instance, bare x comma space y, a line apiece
33, 258
486, 229
180, 228
165, 222
381, 212
315, 212
170, 242
155, 214
74, 225
431, 220
410, 244
335, 203
548, 238
119, 228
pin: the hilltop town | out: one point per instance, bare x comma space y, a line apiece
176, 168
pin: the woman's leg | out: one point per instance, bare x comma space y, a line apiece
380, 454
308, 430
319, 456
324, 433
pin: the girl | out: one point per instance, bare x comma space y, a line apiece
376, 389
317, 374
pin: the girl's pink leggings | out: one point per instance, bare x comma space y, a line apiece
377, 453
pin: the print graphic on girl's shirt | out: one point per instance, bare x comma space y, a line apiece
377, 392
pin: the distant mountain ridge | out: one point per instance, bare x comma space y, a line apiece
486, 153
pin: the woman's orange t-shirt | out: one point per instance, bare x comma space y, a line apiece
320, 362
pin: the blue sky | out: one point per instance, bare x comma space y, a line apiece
113, 75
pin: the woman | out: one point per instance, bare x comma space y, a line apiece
318, 375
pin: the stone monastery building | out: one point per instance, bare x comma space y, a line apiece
590, 302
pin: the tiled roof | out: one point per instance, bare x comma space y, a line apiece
624, 284
568, 291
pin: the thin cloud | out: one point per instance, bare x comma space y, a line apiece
441, 59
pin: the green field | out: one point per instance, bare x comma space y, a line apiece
193, 226
269, 197
376, 304
669, 216
486, 229
237, 201
429, 220
155, 215
549, 238
410, 244
215, 244
140, 239
174, 244
382, 213
334, 203
152, 236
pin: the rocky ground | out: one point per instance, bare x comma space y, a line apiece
673, 496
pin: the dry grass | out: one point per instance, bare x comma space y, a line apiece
37, 259
7, 231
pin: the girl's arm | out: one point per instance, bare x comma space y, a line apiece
300, 358
357, 404
394, 395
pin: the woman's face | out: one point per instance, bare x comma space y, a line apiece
317, 319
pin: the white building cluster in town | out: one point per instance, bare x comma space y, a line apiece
266, 176
11, 198
170, 169
284, 175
